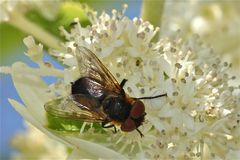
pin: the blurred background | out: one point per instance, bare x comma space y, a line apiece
217, 23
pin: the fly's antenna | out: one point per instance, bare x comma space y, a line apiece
152, 97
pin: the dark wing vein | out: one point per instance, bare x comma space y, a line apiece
90, 66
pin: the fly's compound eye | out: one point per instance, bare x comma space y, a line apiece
128, 125
137, 110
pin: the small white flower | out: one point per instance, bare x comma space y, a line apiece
199, 117
34, 51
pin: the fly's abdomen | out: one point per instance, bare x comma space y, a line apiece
88, 86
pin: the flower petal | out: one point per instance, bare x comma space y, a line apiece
28, 116
78, 154
94, 149
32, 90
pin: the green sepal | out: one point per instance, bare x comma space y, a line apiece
166, 76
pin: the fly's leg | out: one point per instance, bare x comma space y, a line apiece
140, 132
106, 125
121, 85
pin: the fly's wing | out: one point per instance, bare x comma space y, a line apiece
76, 107
90, 66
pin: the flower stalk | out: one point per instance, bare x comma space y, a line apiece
19, 21
152, 11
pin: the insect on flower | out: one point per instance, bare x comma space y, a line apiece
97, 97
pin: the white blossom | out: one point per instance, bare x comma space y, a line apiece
33, 144
217, 22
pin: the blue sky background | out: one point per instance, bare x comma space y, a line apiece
10, 121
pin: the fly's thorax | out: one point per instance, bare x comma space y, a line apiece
117, 108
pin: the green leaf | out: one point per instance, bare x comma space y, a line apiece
71, 10
65, 16
10, 38
68, 125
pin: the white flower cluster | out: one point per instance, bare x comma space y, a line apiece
217, 23
199, 117
33, 144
